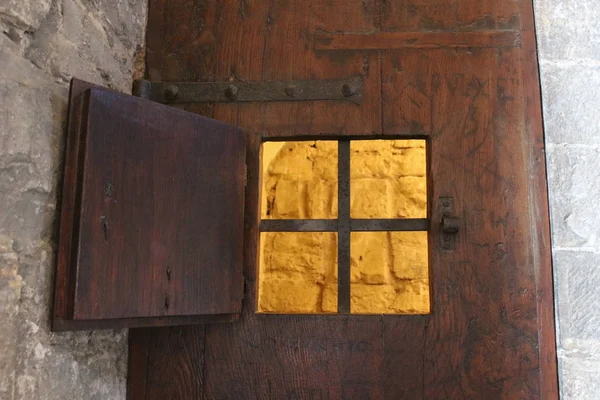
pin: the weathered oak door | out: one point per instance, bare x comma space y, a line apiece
463, 75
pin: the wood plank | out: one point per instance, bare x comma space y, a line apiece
416, 40
404, 343
303, 357
437, 93
166, 363
69, 230
539, 212
484, 290
137, 362
64, 286
135, 257
475, 102
185, 50
120, 268
444, 15
269, 42
61, 325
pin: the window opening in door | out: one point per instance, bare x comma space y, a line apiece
353, 209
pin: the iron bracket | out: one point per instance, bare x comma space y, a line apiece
349, 89
449, 224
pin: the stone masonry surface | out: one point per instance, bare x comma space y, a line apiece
568, 35
43, 44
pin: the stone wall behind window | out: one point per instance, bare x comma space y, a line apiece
43, 43
388, 270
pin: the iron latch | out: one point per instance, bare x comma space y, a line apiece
349, 89
449, 224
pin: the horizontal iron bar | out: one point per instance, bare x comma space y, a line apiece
364, 225
299, 225
331, 225
349, 89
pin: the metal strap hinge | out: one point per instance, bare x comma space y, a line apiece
349, 89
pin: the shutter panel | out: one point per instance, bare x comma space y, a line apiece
152, 215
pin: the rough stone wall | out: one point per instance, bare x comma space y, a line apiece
389, 270
569, 51
43, 44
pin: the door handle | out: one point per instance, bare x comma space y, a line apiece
450, 225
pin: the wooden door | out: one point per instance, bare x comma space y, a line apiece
461, 74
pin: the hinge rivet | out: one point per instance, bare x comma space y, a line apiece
231, 92
349, 90
290, 91
171, 92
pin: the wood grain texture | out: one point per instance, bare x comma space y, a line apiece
125, 253
541, 256
167, 363
490, 334
416, 40
167, 188
64, 279
62, 325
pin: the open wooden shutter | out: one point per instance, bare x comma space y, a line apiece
151, 229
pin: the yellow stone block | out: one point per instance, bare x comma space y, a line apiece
408, 143
408, 162
370, 159
288, 294
381, 159
370, 258
410, 255
413, 298
371, 299
293, 162
304, 241
408, 197
369, 198
287, 199
294, 169
363, 147
312, 254
330, 298
322, 199
325, 161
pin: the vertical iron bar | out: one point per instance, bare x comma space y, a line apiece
343, 226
